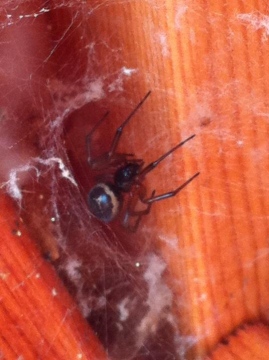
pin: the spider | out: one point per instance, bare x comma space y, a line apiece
123, 174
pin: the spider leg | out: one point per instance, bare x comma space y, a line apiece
119, 131
104, 160
88, 139
135, 213
169, 194
152, 165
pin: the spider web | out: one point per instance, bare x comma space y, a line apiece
60, 91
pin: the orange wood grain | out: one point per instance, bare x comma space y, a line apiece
207, 65
38, 319
251, 342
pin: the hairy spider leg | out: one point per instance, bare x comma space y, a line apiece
153, 165
121, 127
169, 194
88, 137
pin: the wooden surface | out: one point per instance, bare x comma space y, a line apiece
207, 65
38, 318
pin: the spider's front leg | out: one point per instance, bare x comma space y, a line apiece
99, 162
111, 158
131, 212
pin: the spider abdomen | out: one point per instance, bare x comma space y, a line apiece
104, 201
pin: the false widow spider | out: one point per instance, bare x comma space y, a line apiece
122, 176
